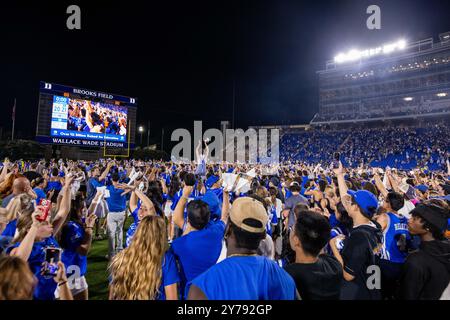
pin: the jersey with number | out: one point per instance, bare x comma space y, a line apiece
395, 238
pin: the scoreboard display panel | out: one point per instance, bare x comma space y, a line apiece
85, 118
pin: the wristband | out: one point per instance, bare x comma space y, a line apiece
62, 283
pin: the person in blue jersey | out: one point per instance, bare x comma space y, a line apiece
140, 206
97, 179
317, 276
426, 272
244, 275
362, 245
201, 243
39, 184
54, 184
165, 175
117, 203
395, 243
35, 236
76, 240
341, 224
145, 270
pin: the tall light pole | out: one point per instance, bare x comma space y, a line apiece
141, 130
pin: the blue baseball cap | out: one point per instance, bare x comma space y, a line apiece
211, 180
422, 188
365, 200
213, 202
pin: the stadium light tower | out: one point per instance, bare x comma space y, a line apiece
141, 130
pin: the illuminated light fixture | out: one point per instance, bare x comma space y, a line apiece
442, 94
355, 54
408, 98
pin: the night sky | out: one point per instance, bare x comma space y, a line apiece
181, 58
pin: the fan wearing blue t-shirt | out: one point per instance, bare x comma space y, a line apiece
244, 275
34, 237
201, 243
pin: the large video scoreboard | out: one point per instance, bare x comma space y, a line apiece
85, 118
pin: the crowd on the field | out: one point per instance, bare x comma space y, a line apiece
308, 230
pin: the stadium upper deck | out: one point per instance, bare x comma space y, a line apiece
400, 80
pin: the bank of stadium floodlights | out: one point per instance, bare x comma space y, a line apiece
355, 54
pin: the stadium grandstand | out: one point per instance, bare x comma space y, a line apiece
383, 107
396, 81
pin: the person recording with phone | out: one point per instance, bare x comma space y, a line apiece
36, 233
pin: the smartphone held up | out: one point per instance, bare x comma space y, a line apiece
52, 257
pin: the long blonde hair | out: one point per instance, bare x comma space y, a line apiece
137, 270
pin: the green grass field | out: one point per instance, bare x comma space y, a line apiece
97, 274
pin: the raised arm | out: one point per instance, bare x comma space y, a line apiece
86, 243
64, 207
105, 173
393, 181
380, 184
178, 214
197, 150
4, 170
225, 206
164, 186
342, 185
133, 201
146, 201
206, 151
23, 251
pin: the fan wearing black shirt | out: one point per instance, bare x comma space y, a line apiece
317, 276
358, 257
426, 272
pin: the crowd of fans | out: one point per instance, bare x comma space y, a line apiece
403, 148
315, 229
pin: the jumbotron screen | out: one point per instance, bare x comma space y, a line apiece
75, 116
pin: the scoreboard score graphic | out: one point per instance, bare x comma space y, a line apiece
80, 117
